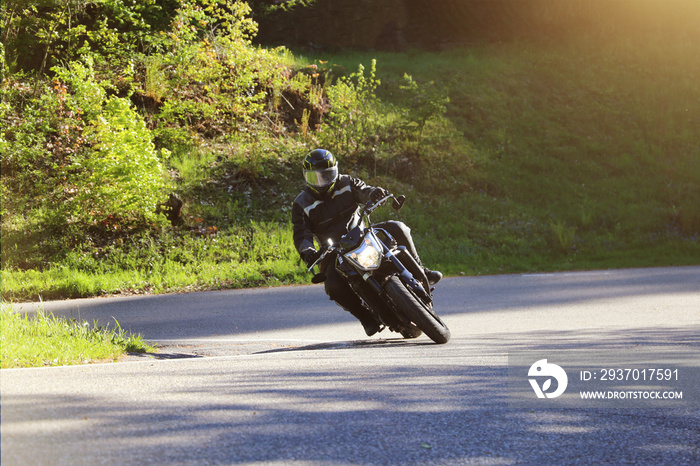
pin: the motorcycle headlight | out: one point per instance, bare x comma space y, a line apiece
368, 256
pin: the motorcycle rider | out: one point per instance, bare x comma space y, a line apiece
328, 208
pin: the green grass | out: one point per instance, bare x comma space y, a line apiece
564, 156
45, 340
257, 254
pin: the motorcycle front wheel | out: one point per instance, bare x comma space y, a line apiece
416, 311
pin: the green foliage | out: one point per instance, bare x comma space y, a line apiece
78, 160
39, 34
40, 137
72, 158
564, 235
45, 340
3, 63
122, 173
233, 18
214, 79
354, 115
196, 19
255, 253
421, 103
87, 95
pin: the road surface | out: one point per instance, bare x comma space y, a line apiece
282, 376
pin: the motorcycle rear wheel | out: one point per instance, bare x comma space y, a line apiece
416, 311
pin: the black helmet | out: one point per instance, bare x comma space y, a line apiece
320, 170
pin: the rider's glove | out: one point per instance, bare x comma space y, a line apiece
377, 194
309, 256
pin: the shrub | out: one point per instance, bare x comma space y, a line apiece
354, 116
124, 173
420, 104
121, 174
214, 79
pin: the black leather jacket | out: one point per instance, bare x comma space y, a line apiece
328, 216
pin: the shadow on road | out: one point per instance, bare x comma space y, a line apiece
338, 345
392, 412
161, 356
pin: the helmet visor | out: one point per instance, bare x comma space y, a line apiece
321, 179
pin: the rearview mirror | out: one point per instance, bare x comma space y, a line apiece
398, 202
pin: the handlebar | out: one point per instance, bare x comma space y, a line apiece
329, 249
397, 204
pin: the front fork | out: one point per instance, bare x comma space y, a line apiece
411, 273
404, 273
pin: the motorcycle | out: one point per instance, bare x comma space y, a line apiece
386, 277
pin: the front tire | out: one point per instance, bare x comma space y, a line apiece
416, 311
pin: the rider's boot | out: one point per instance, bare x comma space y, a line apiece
412, 332
371, 328
433, 276
369, 323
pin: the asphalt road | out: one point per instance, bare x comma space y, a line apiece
282, 376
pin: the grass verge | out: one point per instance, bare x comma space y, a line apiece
46, 340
